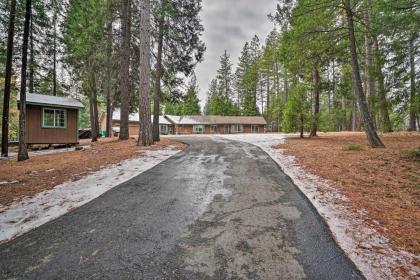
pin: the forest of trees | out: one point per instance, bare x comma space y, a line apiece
329, 66
109, 54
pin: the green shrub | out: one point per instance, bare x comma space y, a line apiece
410, 153
352, 147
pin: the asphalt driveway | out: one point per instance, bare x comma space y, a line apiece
218, 210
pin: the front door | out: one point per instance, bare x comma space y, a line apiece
255, 129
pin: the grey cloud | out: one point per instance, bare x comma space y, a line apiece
228, 25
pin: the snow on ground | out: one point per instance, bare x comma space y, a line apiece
43, 152
30, 213
370, 251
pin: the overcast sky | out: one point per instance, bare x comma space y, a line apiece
228, 25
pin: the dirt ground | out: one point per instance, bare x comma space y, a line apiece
385, 181
43, 172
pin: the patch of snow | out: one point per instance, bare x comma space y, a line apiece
43, 152
370, 251
8, 182
30, 213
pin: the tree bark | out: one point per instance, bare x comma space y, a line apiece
412, 120
93, 103
31, 59
369, 127
383, 102
158, 78
369, 79
145, 132
301, 125
108, 82
286, 87
267, 112
315, 81
54, 90
8, 81
23, 149
125, 69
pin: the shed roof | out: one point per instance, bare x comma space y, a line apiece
41, 99
116, 116
191, 120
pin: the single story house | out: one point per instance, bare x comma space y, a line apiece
217, 124
51, 119
133, 124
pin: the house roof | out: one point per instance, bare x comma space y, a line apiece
58, 101
191, 120
116, 116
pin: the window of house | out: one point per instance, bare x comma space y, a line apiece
236, 128
254, 128
198, 128
213, 129
54, 118
226, 129
163, 129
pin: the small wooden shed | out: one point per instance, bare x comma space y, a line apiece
51, 119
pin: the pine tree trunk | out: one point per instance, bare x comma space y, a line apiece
369, 79
268, 116
301, 125
158, 78
383, 102
315, 81
125, 69
23, 149
286, 87
145, 132
94, 114
369, 127
108, 82
412, 120
55, 51
7, 81
31, 59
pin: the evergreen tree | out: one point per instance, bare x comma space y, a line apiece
177, 29
225, 76
191, 104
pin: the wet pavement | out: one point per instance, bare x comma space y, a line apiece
218, 210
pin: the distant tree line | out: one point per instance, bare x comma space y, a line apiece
329, 66
100, 52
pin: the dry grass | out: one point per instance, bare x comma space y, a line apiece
385, 182
43, 172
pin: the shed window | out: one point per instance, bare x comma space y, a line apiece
198, 128
54, 118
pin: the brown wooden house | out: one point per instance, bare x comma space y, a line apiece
165, 127
217, 124
51, 119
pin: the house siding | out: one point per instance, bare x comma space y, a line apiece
36, 134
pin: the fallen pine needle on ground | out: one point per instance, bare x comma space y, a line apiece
374, 215
48, 186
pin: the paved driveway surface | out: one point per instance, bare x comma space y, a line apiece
218, 210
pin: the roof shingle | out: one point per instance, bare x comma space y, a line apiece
41, 99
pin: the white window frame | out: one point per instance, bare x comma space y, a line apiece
55, 112
236, 128
198, 128
163, 131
